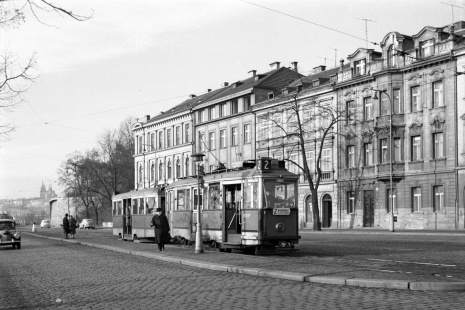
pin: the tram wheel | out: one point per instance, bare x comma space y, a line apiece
213, 244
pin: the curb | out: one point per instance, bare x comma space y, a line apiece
284, 275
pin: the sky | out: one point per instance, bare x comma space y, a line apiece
136, 58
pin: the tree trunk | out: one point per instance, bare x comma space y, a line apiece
316, 212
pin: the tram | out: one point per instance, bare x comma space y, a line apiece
252, 208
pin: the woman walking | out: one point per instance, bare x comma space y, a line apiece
72, 226
162, 228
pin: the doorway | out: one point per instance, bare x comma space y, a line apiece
233, 208
327, 211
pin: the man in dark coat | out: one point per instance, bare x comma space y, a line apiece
66, 226
162, 228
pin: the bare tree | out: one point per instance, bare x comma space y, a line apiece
16, 76
301, 125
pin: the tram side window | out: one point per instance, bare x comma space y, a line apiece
120, 207
214, 197
113, 210
181, 199
141, 204
279, 195
150, 206
197, 201
188, 200
134, 206
250, 196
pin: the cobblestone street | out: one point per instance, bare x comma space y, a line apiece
49, 274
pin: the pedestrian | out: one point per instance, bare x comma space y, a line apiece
72, 226
162, 228
66, 226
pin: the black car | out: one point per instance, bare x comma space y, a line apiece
8, 234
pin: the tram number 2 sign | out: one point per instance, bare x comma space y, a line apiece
265, 164
281, 211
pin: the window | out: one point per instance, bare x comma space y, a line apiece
197, 200
416, 148
326, 160
187, 172
234, 135
211, 140
416, 199
234, 107
438, 203
398, 106
397, 150
311, 161
367, 108
392, 56
292, 167
152, 172
359, 66
160, 139
351, 156
152, 141
270, 96
178, 135
427, 48
391, 201
350, 110
246, 133
351, 202
223, 110
169, 169
438, 98
246, 103
187, 133
384, 151
368, 160
438, 139
415, 99
168, 137
178, 168
140, 173
201, 142
222, 138
384, 104
201, 119
160, 171
139, 144
212, 113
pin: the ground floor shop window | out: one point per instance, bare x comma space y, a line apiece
416, 199
438, 192
351, 202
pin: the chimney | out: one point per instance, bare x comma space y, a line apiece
342, 63
143, 119
225, 84
254, 72
451, 32
274, 65
294, 66
319, 69
209, 90
192, 96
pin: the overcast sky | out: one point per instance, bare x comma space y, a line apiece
135, 58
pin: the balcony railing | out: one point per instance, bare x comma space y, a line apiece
397, 120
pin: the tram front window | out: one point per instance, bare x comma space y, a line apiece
280, 194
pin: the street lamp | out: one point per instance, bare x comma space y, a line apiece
391, 198
197, 157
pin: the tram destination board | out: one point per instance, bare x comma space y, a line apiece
281, 211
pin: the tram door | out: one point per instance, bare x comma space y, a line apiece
127, 220
233, 198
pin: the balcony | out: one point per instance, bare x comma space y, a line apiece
384, 173
397, 120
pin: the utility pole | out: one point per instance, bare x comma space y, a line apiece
452, 9
366, 29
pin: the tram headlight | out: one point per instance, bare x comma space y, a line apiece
280, 227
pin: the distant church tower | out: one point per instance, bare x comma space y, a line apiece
43, 191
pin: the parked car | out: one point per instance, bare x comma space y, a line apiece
8, 234
87, 224
45, 224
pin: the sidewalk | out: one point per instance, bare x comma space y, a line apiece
372, 231
313, 269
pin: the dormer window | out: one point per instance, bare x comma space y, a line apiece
427, 48
270, 96
359, 66
392, 56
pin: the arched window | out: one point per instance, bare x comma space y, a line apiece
160, 171
140, 173
178, 168
169, 169
392, 56
187, 172
152, 172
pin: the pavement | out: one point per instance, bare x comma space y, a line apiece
303, 269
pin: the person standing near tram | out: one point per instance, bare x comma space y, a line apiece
161, 227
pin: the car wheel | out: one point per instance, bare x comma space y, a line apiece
13, 245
